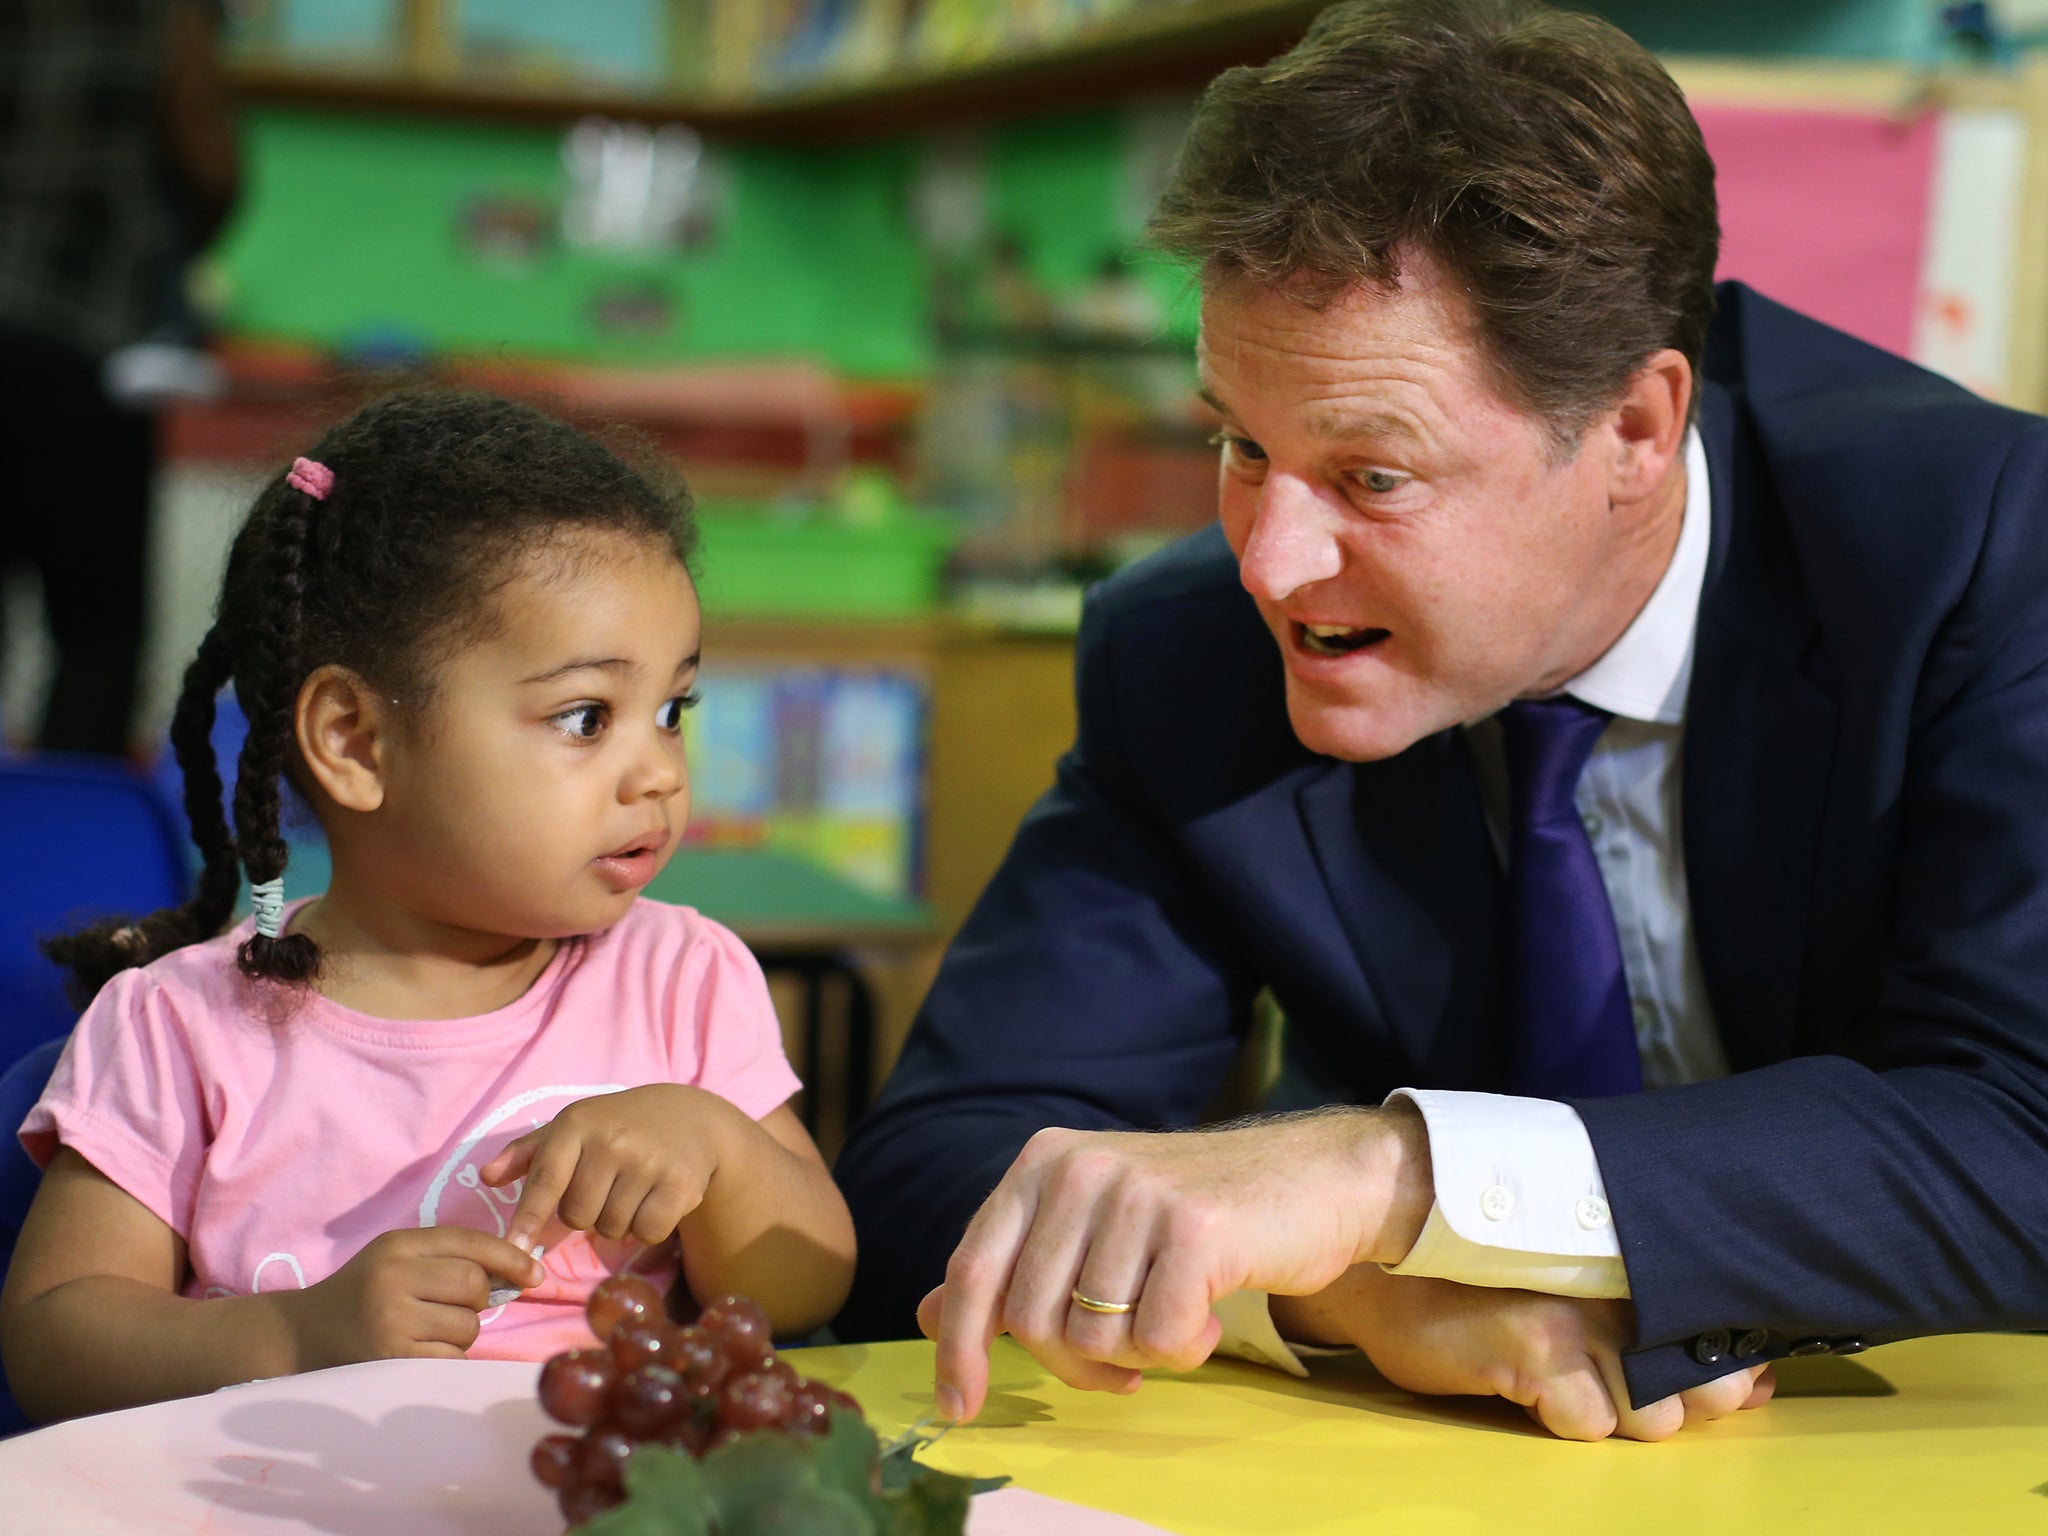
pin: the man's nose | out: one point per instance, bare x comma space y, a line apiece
1293, 540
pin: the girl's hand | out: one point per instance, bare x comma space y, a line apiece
409, 1294
622, 1164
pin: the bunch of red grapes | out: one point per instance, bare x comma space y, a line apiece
693, 1387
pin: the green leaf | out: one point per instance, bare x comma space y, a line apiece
931, 1504
843, 1483
899, 1466
756, 1470
845, 1455
664, 1497
812, 1512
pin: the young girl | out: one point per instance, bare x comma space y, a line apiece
426, 1112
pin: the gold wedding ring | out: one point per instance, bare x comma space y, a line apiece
1111, 1308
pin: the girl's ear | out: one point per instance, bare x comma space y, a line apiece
343, 726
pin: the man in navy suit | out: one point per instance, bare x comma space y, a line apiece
1594, 686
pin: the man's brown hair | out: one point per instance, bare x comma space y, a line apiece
1542, 159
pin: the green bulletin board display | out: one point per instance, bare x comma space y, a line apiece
354, 227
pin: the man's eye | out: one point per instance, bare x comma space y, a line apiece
1240, 447
670, 716
1381, 481
584, 722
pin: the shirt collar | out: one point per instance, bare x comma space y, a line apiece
1644, 674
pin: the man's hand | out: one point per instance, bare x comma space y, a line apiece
1167, 1223
409, 1294
1558, 1356
622, 1164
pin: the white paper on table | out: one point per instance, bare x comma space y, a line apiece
393, 1448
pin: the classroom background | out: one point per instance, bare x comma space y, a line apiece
871, 273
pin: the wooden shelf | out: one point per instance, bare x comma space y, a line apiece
779, 418
1152, 50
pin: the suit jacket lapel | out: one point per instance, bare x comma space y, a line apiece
1411, 871
1759, 742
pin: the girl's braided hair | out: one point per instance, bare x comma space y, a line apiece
436, 494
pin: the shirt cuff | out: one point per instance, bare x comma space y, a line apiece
1519, 1198
1249, 1334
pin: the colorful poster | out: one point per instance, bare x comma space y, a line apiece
824, 763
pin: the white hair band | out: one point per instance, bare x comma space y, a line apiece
266, 899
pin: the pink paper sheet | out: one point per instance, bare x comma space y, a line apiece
396, 1448
1826, 211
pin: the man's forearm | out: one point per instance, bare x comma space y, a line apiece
1397, 1188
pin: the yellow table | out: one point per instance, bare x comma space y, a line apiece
1931, 1435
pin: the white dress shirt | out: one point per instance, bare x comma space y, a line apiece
1519, 1197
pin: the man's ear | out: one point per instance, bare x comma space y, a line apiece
343, 728
1649, 426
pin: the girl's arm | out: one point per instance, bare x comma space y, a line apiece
91, 1318
757, 1211
773, 1226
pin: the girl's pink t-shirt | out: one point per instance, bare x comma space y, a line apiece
277, 1144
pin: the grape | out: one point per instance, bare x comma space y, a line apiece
686, 1435
618, 1299
586, 1501
754, 1401
554, 1458
682, 1306
810, 1409
744, 1329
576, 1387
647, 1399
694, 1388
642, 1341
699, 1356
602, 1455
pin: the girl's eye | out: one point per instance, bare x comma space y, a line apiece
1381, 481
670, 716
584, 722
1241, 448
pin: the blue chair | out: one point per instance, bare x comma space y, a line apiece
80, 838
20, 1086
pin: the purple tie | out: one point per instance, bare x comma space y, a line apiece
1573, 1033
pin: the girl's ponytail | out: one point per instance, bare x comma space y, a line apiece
95, 954
268, 685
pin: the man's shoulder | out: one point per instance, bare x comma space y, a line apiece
1198, 568
1178, 667
1179, 612
1865, 450
1815, 389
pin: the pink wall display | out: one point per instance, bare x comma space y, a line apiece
1899, 227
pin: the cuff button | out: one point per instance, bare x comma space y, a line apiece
1498, 1203
1711, 1347
1807, 1347
1754, 1342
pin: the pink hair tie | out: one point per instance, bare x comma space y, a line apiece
316, 480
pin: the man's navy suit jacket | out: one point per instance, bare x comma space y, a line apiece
1864, 790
